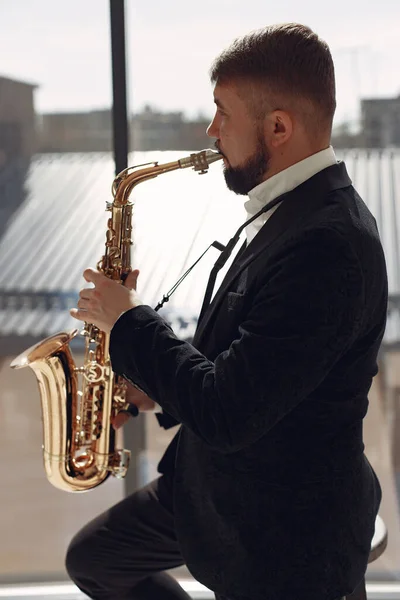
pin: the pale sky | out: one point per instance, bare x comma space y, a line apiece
64, 47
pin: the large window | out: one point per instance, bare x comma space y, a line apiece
56, 169
55, 99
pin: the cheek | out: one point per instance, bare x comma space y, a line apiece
234, 140
227, 135
236, 133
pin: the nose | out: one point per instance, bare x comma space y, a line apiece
212, 129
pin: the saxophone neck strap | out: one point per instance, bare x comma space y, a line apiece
226, 251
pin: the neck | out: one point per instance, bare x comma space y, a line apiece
286, 158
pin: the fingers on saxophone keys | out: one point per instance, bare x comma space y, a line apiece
82, 304
86, 299
78, 314
131, 411
124, 415
119, 420
86, 293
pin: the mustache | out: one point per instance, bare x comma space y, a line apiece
218, 148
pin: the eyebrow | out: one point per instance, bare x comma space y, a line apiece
219, 103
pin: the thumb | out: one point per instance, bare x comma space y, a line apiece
119, 420
131, 280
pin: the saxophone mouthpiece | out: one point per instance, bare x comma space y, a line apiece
212, 155
200, 161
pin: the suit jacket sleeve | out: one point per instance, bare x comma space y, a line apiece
301, 321
165, 420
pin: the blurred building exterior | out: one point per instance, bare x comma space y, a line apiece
18, 143
75, 132
380, 118
92, 131
344, 137
379, 127
153, 130
17, 120
23, 133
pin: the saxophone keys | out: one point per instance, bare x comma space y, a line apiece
119, 463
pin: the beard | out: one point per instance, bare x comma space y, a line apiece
244, 178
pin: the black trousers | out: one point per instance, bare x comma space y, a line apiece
121, 555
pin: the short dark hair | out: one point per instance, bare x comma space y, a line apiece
288, 60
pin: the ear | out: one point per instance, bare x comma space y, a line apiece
279, 127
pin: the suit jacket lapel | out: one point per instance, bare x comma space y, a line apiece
294, 209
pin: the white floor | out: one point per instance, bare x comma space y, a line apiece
66, 591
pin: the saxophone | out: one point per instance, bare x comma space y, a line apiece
79, 402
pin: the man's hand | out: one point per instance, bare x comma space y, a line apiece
136, 397
103, 304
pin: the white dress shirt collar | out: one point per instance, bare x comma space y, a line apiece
283, 182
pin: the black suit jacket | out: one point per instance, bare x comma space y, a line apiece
274, 498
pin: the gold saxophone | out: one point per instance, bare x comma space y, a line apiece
78, 403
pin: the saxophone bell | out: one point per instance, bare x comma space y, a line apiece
77, 454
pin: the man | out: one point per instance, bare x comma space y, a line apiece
265, 493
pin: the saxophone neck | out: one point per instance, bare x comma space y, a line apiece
129, 178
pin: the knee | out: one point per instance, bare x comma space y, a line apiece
77, 558
92, 565
72, 560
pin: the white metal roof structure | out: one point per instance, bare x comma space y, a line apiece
59, 229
